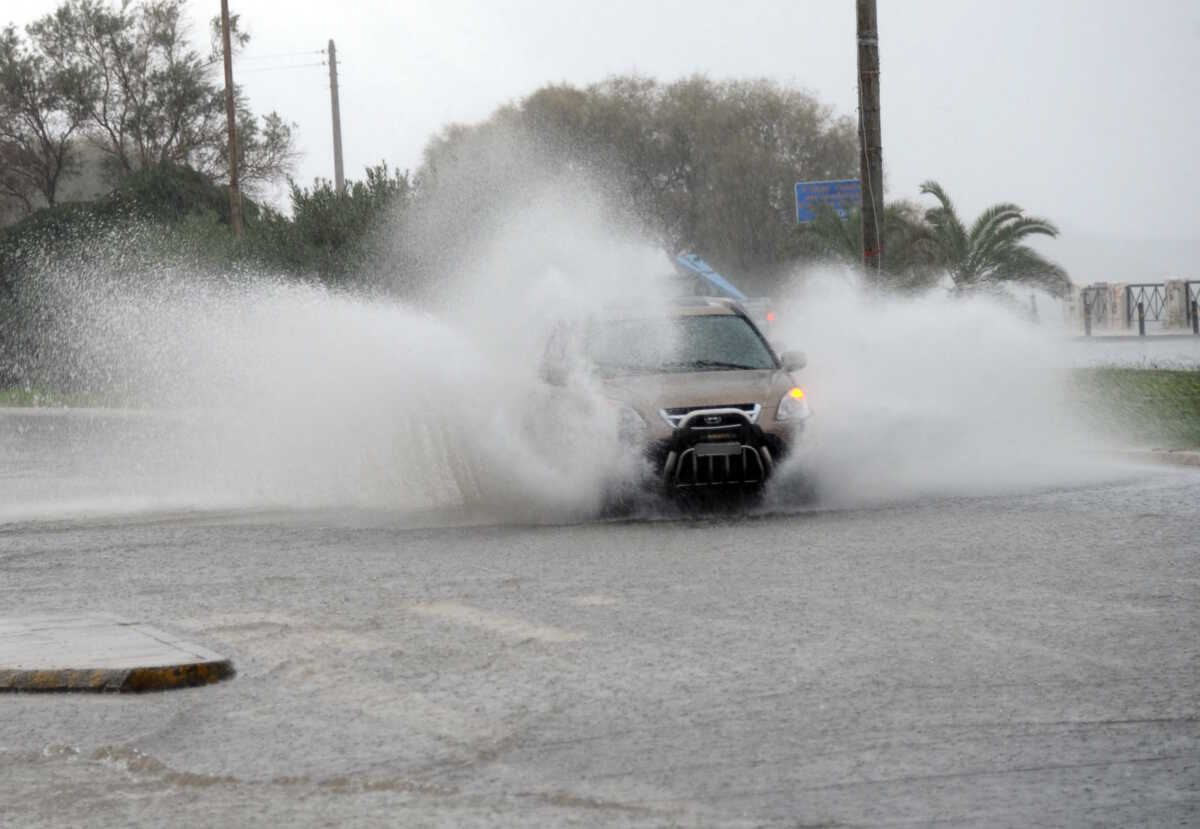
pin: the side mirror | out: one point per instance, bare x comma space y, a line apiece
793, 360
556, 365
554, 372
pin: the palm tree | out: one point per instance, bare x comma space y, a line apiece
910, 257
991, 252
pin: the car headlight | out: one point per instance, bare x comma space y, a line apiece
630, 425
793, 406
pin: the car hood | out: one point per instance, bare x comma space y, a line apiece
650, 392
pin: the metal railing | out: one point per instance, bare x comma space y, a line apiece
1095, 305
1149, 299
1164, 305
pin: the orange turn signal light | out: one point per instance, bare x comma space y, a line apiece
797, 393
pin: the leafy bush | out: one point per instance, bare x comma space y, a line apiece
172, 216
331, 235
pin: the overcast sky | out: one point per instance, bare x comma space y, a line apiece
1084, 111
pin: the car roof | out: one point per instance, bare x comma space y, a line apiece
689, 306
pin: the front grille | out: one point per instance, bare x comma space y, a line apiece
707, 420
692, 469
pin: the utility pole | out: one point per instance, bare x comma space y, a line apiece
235, 196
338, 176
869, 141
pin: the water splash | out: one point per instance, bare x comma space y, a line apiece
255, 391
265, 392
928, 394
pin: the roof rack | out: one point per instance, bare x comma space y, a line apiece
692, 264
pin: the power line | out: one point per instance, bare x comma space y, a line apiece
279, 55
279, 68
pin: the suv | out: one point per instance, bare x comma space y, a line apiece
700, 392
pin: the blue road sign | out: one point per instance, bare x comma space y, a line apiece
840, 194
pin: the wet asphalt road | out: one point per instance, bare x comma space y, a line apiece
1028, 659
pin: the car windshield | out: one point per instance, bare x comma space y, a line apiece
717, 342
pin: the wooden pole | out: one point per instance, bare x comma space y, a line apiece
338, 176
869, 140
235, 196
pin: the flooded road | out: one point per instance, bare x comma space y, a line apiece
1010, 659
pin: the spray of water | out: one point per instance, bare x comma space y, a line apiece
929, 394
265, 392
259, 391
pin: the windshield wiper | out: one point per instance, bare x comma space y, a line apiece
713, 364
618, 368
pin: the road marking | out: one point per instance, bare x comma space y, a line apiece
595, 600
495, 622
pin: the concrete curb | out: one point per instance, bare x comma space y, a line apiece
100, 653
83, 411
1172, 457
1134, 337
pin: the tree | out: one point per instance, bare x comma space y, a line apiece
38, 123
738, 149
265, 153
147, 96
991, 252
708, 166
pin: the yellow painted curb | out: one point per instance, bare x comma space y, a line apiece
110, 681
100, 653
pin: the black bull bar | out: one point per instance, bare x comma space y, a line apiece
716, 448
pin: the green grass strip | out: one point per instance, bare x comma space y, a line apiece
1145, 407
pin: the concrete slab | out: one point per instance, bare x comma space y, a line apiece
100, 652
